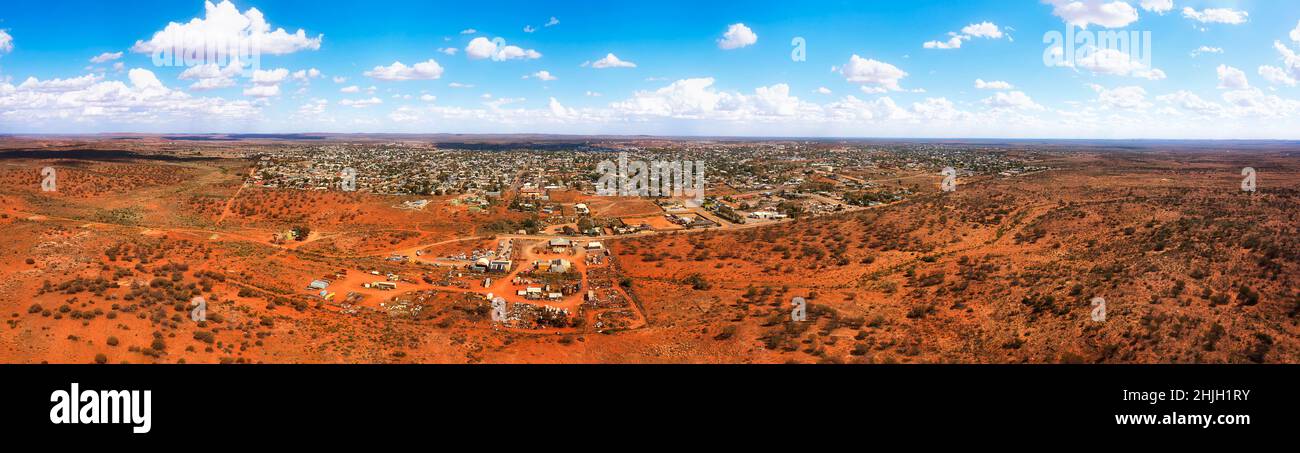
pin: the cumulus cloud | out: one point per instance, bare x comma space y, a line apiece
350, 89
59, 85
262, 91
940, 109
1157, 6
1254, 103
992, 85
1127, 97
1216, 15
91, 100
1295, 34
6, 42
1189, 101
1082, 13
1276, 75
1206, 49
553, 22
103, 57
1113, 62
221, 29
985, 29
448, 50
698, 99
1289, 58
1012, 100
270, 77
361, 103
823, 90
873, 75
304, 75
953, 42
209, 76
482, 48
1231, 78
428, 70
560, 110
610, 61
543, 75
737, 36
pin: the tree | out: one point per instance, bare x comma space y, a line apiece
301, 232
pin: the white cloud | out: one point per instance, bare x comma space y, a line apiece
594, 94
459, 85
992, 85
404, 114
6, 42
559, 110
209, 76
314, 107
1290, 60
553, 22
1082, 13
350, 89
737, 36
853, 109
983, 30
1231, 78
448, 50
1115, 62
543, 75
1206, 49
1128, 97
1254, 103
683, 98
223, 23
468, 31
529, 29
271, 77
340, 79
262, 91
361, 103
304, 75
101, 58
91, 101
939, 109
1295, 34
1012, 100
610, 61
987, 30
1157, 6
952, 43
1189, 101
428, 98
698, 99
1276, 75
1216, 15
59, 85
482, 48
823, 90
872, 74
497, 103
428, 70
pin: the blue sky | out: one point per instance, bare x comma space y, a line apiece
868, 70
